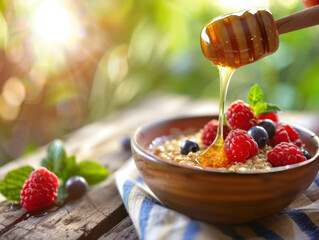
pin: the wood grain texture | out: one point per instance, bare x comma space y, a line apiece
101, 211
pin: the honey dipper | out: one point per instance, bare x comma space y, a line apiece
237, 39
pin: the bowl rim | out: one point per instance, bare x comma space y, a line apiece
138, 148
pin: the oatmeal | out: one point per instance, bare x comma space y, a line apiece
170, 150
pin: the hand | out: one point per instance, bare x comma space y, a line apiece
310, 3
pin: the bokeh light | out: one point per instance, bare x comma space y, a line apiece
52, 22
64, 64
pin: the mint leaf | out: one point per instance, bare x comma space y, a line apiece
69, 168
11, 185
93, 172
272, 108
58, 162
259, 108
255, 95
55, 157
62, 195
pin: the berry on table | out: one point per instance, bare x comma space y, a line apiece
76, 187
240, 115
269, 126
39, 190
306, 153
271, 116
189, 146
285, 154
126, 143
239, 146
210, 131
260, 135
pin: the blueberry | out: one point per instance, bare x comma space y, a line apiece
269, 126
306, 153
189, 146
126, 143
76, 187
260, 135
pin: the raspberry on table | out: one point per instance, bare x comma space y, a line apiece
285, 154
240, 115
285, 133
271, 116
239, 146
39, 190
210, 131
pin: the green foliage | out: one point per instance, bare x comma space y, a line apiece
66, 166
92, 171
255, 99
62, 195
11, 185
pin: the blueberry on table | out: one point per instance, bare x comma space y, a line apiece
126, 143
269, 126
306, 153
76, 187
260, 135
189, 146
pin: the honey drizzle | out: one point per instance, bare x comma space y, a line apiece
215, 156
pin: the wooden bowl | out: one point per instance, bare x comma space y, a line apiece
216, 195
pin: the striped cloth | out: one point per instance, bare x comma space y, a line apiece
153, 221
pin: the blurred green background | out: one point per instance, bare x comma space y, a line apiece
64, 64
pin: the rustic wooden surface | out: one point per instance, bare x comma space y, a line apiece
100, 214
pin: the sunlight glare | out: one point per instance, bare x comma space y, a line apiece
52, 22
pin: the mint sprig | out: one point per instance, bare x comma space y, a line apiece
66, 166
11, 185
255, 99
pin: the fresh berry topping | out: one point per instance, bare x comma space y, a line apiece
126, 143
189, 146
281, 135
269, 126
239, 146
260, 135
271, 116
306, 153
293, 135
285, 154
76, 187
210, 131
240, 115
286, 133
39, 190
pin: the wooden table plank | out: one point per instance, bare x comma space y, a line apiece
100, 213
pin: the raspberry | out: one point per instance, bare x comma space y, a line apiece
39, 190
293, 135
281, 135
239, 146
285, 154
271, 116
286, 133
210, 131
240, 115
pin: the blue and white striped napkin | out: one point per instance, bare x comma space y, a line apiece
153, 221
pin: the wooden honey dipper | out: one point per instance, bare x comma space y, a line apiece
237, 39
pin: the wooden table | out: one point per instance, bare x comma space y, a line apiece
100, 214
